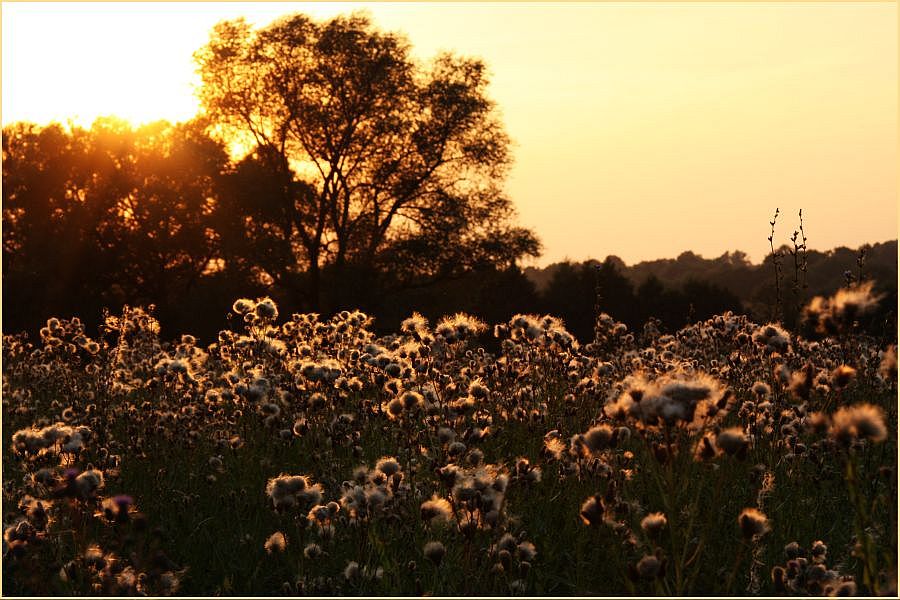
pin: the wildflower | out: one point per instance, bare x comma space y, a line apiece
88, 483
276, 543
361, 475
436, 508
242, 306
319, 513
270, 408
285, 491
44, 477
507, 542
74, 443
351, 571
592, 510
434, 551
554, 445
859, 421
842, 376
456, 448
753, 523
533, 474
478, 390
266, 309
762, 390
649, 567
168, 583
300, 427
216, 464
526, 551
35, 511
317, 401
475, 457
416, 324
792, 550
388, 465
127, 580
459, 327
411, 400
829, 316
802, 381
653, 524
93, 557
773, 338
446, 435
846, 588
779, 576
57, 437
732, 441
312, 551
394, 408
599, 438
116, 508
689, 399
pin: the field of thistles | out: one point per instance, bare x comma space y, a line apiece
299, 455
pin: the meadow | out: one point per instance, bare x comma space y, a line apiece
299, 455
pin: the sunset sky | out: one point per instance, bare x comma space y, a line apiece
640, 130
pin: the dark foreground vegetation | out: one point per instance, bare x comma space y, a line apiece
302, 455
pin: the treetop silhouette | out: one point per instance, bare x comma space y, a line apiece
366, 162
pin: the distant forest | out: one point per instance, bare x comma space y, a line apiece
690, 287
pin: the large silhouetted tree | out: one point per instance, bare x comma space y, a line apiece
366, 163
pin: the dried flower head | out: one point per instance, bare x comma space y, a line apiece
860, 421
434, 551
275, 543
599, 438
649, 567
653, 524
773, 338
753, 523
732, 441
592, 511
842, 376
436, 508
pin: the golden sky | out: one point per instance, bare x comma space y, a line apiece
640, 129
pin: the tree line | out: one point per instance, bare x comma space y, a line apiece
732, 278
111, 215
327, 168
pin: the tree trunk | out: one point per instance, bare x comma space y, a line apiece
315, 282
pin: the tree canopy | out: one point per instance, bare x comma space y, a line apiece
106, 215
364, 162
